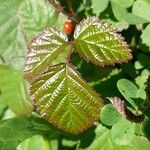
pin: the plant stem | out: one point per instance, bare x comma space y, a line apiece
59, 8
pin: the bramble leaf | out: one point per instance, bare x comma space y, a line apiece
63, 98
99, 43
44, 50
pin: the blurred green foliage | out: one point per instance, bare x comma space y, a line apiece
20, 21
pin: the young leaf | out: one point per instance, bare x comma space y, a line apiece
99, 43
44, 50
63, 98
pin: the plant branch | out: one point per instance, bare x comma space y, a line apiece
60, 9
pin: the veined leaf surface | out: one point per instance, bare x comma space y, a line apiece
44, 50
63, 98
100, 43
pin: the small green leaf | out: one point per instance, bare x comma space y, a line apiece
145, 36
122, 132
99, 6
44, 50
128, 90
141, 8
124, 3
99, 43
122, 14
14, 131
109, 115
63, 98
13, 90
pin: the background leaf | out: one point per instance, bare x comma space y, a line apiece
34, 143
124, 3
99, 6
141, 9
104, 141
109, 115
123, 132
19, 129
129, 91
13, 90
145, 36
20, 22
122, 14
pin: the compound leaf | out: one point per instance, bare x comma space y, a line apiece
63, 98
99, 43
44, 50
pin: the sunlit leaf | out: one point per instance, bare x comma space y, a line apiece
65, 99
44, 50
99, 43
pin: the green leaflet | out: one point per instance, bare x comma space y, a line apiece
63, 98
43, 50
99, 43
